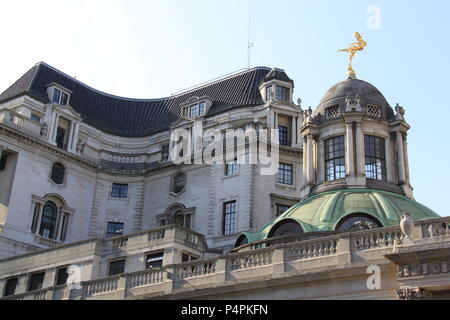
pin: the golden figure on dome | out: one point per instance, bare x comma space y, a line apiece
354, 47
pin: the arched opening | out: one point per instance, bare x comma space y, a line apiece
284, 228
358, 222
241, 240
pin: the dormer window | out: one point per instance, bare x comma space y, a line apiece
60, 97
195, 110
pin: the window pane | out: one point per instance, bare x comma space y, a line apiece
10, 286
61, 138
281, 209
64, 98
61, 276
229, 218
283, 135
119, 191
58, 172
154, 260
375, 157
231, 168
117, 267
335, 158
114, 229
48, 222
178, 183
285, 174
56, 96
35, 118
36, 281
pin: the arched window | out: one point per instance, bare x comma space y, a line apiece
48, 222
358, 222
58, 173
179, 183
284, 228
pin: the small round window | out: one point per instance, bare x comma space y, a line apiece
58, 173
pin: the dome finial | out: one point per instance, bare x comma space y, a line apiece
354, 47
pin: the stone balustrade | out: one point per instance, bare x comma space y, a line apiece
377, 238
17, 120
270, 261
101, 286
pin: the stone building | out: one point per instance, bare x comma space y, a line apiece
90, 196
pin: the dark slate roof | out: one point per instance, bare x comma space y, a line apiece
138, 117
278, 74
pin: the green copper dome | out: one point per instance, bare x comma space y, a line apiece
325, 211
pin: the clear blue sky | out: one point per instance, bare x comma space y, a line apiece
147, 49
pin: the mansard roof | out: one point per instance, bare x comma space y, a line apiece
139, 117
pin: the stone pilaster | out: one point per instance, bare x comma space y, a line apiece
95, 212
401, 158
139, 207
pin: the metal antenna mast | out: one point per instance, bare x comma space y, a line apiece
250, 44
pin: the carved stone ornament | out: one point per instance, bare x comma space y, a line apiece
353, 103
407, 226
44, 129
413, 294
399, 113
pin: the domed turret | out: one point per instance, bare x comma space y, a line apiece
352, 88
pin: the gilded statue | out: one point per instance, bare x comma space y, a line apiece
354, 47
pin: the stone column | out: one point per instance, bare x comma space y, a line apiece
70, 138
1, 150
405, 155
305, 161
360, 152
294, 131
55, 128
310, 159
389, 160
349, 150
401, 158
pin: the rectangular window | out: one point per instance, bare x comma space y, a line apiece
3, 160
35, 118
56, 96
229, 218
375, 158
268, 93
61, 138
283, 133
201, 108
36, 281
185, 257
193, 112
10, 286
165, 152
282, 93
116, 267
119, 191
114, 229
61, 276
281, 208
154, 260
231, 168
64, 98
285, 174
335, 158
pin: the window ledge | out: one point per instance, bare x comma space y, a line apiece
230, 176
119, 199
288, 186
176, 194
